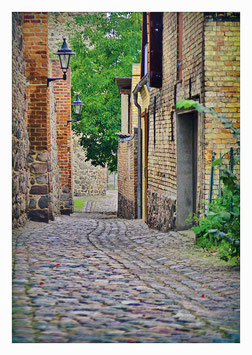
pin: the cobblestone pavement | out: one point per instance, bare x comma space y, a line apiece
104, 204
92, 278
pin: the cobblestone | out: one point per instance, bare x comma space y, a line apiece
91, 278
104, 204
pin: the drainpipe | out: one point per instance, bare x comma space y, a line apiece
139, 146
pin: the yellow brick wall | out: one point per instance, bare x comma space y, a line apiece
222, 89
162, 155
211, 64
136, 71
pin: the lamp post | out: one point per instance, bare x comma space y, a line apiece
64, 54
77, 106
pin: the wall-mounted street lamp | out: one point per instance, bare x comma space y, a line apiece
77, 106
64, 54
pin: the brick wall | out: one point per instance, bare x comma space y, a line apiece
127, 176
62, 96
36, 58
210, 73
42, 145
162, 179
136, 71
38, 115
127, 157
20, 141
222, 89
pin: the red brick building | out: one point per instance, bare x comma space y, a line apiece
42, 147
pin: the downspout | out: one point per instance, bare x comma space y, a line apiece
139, 146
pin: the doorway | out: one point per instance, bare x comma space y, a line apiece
187, 148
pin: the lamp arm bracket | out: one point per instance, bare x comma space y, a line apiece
53, 79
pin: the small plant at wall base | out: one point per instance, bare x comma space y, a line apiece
219, 227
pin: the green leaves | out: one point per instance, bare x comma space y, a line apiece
216, 162
105, 46
186, 103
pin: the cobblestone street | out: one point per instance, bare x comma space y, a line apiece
96, 278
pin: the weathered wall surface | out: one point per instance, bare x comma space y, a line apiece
222, 89
127, 176
88, 179
210, 73
162, 179
136, 70
38, 115
55, 187
20, 141
62, 96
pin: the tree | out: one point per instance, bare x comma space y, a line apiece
106, 47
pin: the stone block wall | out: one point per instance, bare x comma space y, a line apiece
40, 204
88, 179
55, 187
38, 115
20, 141
127, 176
42, 148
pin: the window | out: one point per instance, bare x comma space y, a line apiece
146, 59
152, 37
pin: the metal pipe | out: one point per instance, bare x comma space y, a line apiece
138, 87
139, 160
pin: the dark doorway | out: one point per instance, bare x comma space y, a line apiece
186, 167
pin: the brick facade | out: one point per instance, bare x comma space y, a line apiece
210, 73
222, 88
127, 176
42, 165
127, 155
62, 96
38, 115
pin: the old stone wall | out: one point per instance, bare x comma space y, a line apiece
127, 176
58, 28
40, 203
55, 187
20, 141
88, 179
38, 115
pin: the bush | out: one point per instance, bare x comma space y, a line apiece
219, 228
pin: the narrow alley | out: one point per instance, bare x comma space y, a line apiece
92, 277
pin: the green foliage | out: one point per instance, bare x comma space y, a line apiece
219, 228
106, 47
78, 205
